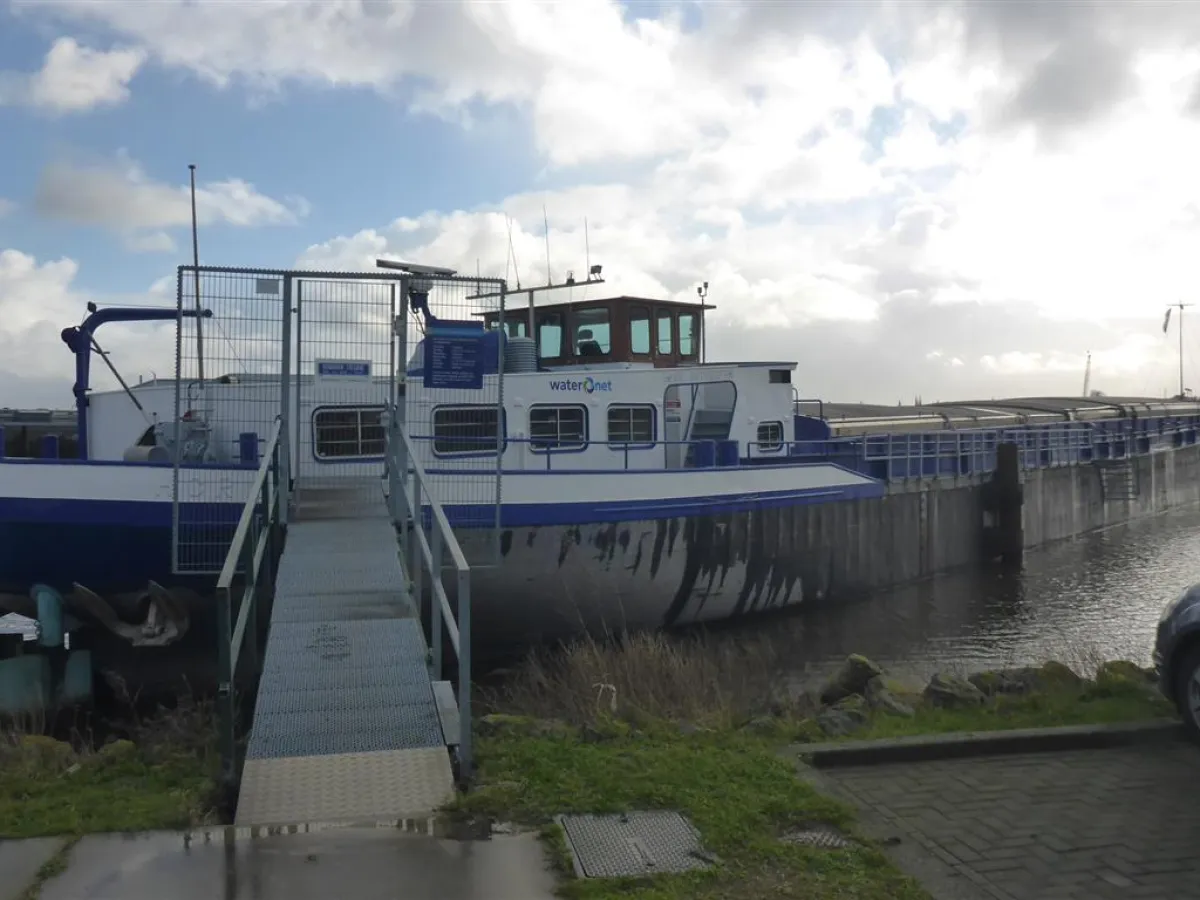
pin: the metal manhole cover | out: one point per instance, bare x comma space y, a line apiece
822, 838
631, 844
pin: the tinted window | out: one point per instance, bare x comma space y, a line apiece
550, 335
346, 433
557, 427
687, 334
465, 429
639, 329
592, 333
770, 436
666, 338
631, 424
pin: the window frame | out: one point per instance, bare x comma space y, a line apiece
573, 447
631, 444
577, 314
769, 446
501, 430
359, 409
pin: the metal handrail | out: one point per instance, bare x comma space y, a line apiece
255, 542
408, 495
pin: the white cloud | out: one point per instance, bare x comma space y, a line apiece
74, 78
38, 300
934, 198
120, 196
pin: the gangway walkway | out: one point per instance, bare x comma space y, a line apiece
346, 727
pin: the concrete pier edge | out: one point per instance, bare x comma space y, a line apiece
921, 748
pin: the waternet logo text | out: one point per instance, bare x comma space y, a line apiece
587, 385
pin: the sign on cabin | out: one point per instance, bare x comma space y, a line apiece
344, 369
454, 355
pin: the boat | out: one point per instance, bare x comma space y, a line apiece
599, 474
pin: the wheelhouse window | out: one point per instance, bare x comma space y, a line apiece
666, 333
639, 330
348, 432
557, 427
515, 326
632, 424
593, 336
459, 430
550, 336
687, 334
770, 437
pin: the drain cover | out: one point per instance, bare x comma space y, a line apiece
824, 838
636, 843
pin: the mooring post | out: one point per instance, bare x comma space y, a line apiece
1004, 499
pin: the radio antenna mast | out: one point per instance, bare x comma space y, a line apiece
196, 283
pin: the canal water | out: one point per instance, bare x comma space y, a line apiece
1080, 601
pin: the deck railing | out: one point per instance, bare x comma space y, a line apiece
412, 505
253, 554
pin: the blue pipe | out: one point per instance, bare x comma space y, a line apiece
79, 339
49, 613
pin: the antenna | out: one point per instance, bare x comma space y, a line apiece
587, 245
512, 251
196, 273
546, 223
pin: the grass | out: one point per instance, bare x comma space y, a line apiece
161, 776
657, 723
733, 787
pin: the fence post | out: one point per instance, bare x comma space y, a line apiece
250, 595
225, 686
464, 673
435, 607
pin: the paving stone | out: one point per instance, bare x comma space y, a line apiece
1121, 822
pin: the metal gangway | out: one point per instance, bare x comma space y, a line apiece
352, 721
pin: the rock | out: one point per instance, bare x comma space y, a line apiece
690, 729
844, 717
850, 678
880, 697
1120, 670
115, 753
761, 725
952, 692
1057, 676
1006, 681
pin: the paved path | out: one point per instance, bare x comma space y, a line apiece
358, 863
1094, 824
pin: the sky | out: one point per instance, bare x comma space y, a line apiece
928, 198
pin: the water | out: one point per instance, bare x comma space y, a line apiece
1080, 601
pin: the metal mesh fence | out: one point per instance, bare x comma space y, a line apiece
454, 361
344, 381
227, 396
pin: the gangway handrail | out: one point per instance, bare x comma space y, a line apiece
255, 542
407, 500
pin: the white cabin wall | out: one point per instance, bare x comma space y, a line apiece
115, 424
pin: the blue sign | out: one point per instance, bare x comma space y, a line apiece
343, 368
454, 355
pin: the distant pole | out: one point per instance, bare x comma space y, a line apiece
196, 275
702, 293
1181, 307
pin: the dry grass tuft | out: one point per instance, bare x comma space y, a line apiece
717, 682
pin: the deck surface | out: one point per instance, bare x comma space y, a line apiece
346, 726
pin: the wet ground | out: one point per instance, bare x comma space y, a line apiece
363, 863
1095, 597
